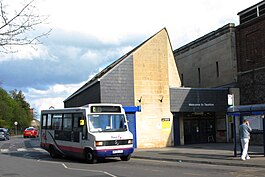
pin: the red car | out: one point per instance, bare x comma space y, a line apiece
31, 132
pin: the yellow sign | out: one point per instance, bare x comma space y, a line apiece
165, 123
82, 122
94, 109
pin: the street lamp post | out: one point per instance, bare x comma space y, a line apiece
15, 123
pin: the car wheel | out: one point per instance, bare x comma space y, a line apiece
125, 158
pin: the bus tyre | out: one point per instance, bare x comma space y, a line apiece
125, 158
52, 152
90, 157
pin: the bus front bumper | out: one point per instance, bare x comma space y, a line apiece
114, 152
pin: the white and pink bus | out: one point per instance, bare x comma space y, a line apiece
90, 132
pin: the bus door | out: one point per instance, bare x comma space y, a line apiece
79, 133
43, 137
45, 126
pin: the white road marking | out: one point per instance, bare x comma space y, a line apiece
78, 169
22, 150
193, 174
40, 149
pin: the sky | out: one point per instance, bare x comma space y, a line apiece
88, 35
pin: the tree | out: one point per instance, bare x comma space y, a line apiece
5, 108
22, 110
20, 98
17, 28
13, 107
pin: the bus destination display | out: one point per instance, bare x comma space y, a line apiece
104, 109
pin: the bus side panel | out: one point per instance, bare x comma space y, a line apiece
43, 140
47, 139
51, 138
74, 147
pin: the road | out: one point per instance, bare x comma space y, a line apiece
24, 158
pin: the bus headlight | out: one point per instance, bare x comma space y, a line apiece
99, 143
130, 141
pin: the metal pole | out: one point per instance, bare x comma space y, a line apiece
235, 148
263, 136
227, 127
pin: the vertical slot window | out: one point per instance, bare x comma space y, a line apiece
217, 69
199, 76
182, 80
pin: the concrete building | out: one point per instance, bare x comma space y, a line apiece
230, 57
209, 61
142, 77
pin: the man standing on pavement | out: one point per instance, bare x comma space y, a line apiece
244, 133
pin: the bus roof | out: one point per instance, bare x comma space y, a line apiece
78, 109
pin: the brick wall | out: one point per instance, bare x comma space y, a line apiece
250, 39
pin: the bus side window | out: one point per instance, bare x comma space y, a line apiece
44, 120
57, 121
67, 122
49, 121
76, 126
80, 128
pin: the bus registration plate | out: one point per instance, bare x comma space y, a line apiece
117, 152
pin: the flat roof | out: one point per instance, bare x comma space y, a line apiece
206, 38
250, 8
247, 108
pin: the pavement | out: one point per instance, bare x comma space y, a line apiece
212, 153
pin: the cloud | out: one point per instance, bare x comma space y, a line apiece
54, 95
63, 60
24, 53
54, 71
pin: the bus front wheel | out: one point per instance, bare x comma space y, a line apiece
125, 158
90, 157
